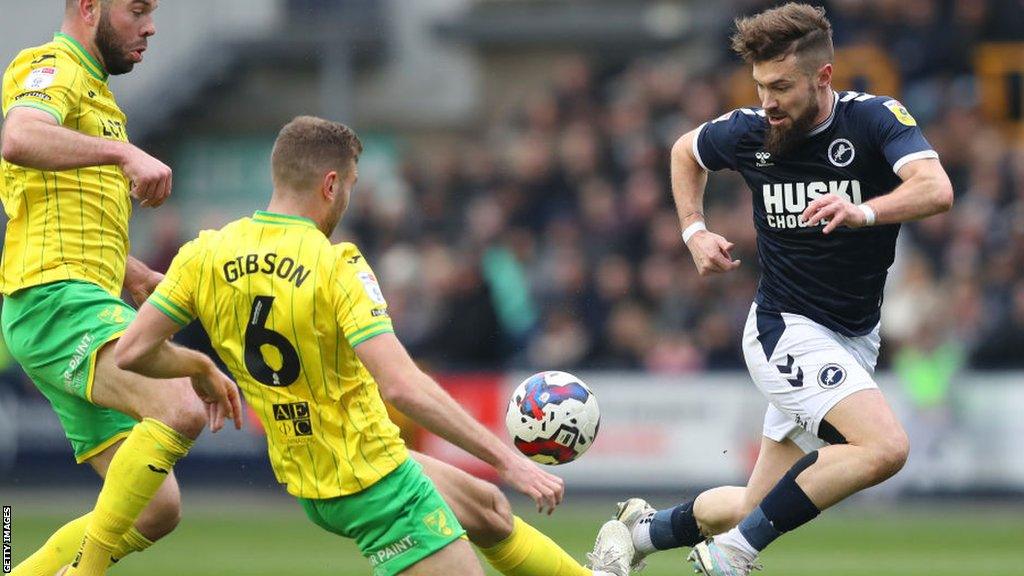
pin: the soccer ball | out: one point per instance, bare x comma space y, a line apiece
553, 417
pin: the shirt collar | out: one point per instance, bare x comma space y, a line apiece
265, 217
828, 121
91, 65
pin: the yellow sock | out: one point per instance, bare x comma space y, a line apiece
527, 552
133, 541
60, 549
136, 472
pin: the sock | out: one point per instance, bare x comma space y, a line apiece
136, 472
133, 541
785, 508
528, 552
641, 534
60, 549
672, 528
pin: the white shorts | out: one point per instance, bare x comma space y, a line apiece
804, 369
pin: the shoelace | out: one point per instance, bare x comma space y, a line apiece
737, 561
747, 565
604, 559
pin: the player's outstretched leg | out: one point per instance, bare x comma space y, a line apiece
877, 448
171, 417
455, 558
712, 512
508, 543
158, 519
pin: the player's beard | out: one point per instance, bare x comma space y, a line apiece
115, 58
781, 140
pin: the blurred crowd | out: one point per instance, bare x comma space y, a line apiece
551, 241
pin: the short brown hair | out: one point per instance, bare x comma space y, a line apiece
69, 4
309, 147
792, 28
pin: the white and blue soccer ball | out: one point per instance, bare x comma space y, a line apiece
553, 417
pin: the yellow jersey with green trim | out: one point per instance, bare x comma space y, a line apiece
69, 225
285, 310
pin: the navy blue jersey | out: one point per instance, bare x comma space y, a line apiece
835, 279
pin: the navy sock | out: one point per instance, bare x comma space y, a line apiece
785, 508
675, 527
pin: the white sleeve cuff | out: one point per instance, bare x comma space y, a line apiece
911, 157
696, 151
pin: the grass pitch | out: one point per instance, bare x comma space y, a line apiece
266, 534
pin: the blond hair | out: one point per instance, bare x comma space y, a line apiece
309, 147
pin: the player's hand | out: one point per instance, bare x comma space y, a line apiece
836, 209
542, 487
711, 253
221, 397
150, 178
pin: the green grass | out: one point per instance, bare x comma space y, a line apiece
264, 534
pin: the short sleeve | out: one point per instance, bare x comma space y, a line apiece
42, 78
361, 310
715, 144
898, 136
175, 295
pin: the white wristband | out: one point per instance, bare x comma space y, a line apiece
869, 214
691, 230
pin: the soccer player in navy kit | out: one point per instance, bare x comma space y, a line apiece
832, 176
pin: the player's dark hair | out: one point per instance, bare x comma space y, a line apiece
309, 147
792, 28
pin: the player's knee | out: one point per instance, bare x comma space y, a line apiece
186, 418
891, 455
897, 452
496, 520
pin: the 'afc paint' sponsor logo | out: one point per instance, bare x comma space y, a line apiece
78, 356
392, 550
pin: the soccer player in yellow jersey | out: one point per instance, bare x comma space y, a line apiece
66, 180
304, 327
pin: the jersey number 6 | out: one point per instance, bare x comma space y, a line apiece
257, 335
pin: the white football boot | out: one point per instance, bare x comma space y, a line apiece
718, 559
613, 550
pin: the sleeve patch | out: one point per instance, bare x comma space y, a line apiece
371, 286
901, 113
41, 78
34, 94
